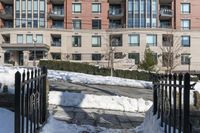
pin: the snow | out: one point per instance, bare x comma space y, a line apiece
197, 87
55, 126
96, 101
9, 74
96, 79
151, 124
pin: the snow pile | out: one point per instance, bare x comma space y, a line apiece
151, 124
197, 87
55, 126
96, 79
95, 101
7, 77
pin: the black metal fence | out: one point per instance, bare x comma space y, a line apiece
30, 100
171, 102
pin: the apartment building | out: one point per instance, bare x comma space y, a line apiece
95, 31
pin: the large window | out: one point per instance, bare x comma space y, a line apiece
76, 24
185, 41
96, 7
96, 41
39, 55
76, 7
135, 56
29, 38
76, 56
76, 41
185, 8
96, 24
96, 57
20, 38
134, 40
185, 58
39, 38
185, 24
151, 40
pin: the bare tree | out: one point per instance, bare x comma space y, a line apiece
171, 51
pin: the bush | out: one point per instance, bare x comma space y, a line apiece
90, 69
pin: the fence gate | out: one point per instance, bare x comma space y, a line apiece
30, 100
171, 102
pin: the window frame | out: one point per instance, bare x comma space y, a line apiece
130, 42
98, 40
184, 11
185, 58
182, 41
154, 39
73, 7
137, 60
182, 24
79, 41
99, 24
98, 9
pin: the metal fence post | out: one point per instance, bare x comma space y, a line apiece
155, 99
44, 116
186, 108
17, 102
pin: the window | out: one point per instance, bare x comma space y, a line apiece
119, 55
39, 55
116, 40
76, 24
39, 38
185, 41
167, 40
29, 38
185, 24
135, 56
19, 38
96, 8
155, 57
96, 24
96, 57
96, 41
134, 40
76, 7
151, 40
185, 58
76, 56
56, 40
76, 41
56, 56
185, 8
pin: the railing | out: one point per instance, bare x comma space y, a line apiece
171, 102
30, 100
57, 12
115, 12
56, 43
166, 12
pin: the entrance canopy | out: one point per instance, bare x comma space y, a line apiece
25, 47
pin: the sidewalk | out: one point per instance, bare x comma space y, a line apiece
97, 117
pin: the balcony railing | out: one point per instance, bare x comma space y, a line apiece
57, 26
166, 13
112, 26
115, 12
165, 25
57, 12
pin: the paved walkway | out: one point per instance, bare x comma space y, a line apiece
97, 117
102, 89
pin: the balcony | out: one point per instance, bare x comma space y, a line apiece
116, 1
165, 25
116, 13
21, 47
166, 13
56, 1
115, 26
7, 1
56, 14
165, 1
6, 14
